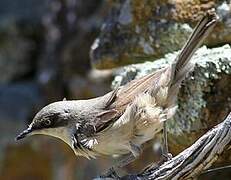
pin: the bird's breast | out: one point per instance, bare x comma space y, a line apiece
114, 140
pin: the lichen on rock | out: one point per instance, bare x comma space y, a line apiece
136, 31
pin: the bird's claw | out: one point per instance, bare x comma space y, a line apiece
110, 174
163, 159
166, 157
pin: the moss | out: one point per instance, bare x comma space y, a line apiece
190, 10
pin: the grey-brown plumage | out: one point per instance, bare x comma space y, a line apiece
122, 120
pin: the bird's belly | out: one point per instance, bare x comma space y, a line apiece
119, 143
113, 146
114, 141
112, 149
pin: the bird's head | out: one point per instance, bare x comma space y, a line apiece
53, 120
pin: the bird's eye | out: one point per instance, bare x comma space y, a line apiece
47, 122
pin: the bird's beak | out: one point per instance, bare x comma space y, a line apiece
24, 134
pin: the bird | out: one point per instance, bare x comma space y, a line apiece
122, 120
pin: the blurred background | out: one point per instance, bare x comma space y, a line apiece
49, 50
44, 57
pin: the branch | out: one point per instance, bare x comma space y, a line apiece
194, 160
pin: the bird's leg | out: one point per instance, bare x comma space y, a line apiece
128, 158
123, 161
165, 154
111, 173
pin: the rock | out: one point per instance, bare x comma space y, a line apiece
137, 31
84, 88
15, 52
19, 29
71, 27
49, 48
204, 99
18, 103
21, 10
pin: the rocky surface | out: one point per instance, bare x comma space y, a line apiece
204, 99
71, 27
137, 31
19, 32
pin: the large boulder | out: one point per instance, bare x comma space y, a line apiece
18, 104
136, 31
20, 28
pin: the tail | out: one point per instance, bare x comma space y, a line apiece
203, 28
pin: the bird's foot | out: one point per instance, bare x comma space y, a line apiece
166, 157
110, 174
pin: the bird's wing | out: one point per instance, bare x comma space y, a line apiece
114, 104
105, 110
95, 118
128, 92
97, 114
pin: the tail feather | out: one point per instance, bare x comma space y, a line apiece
181, 65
